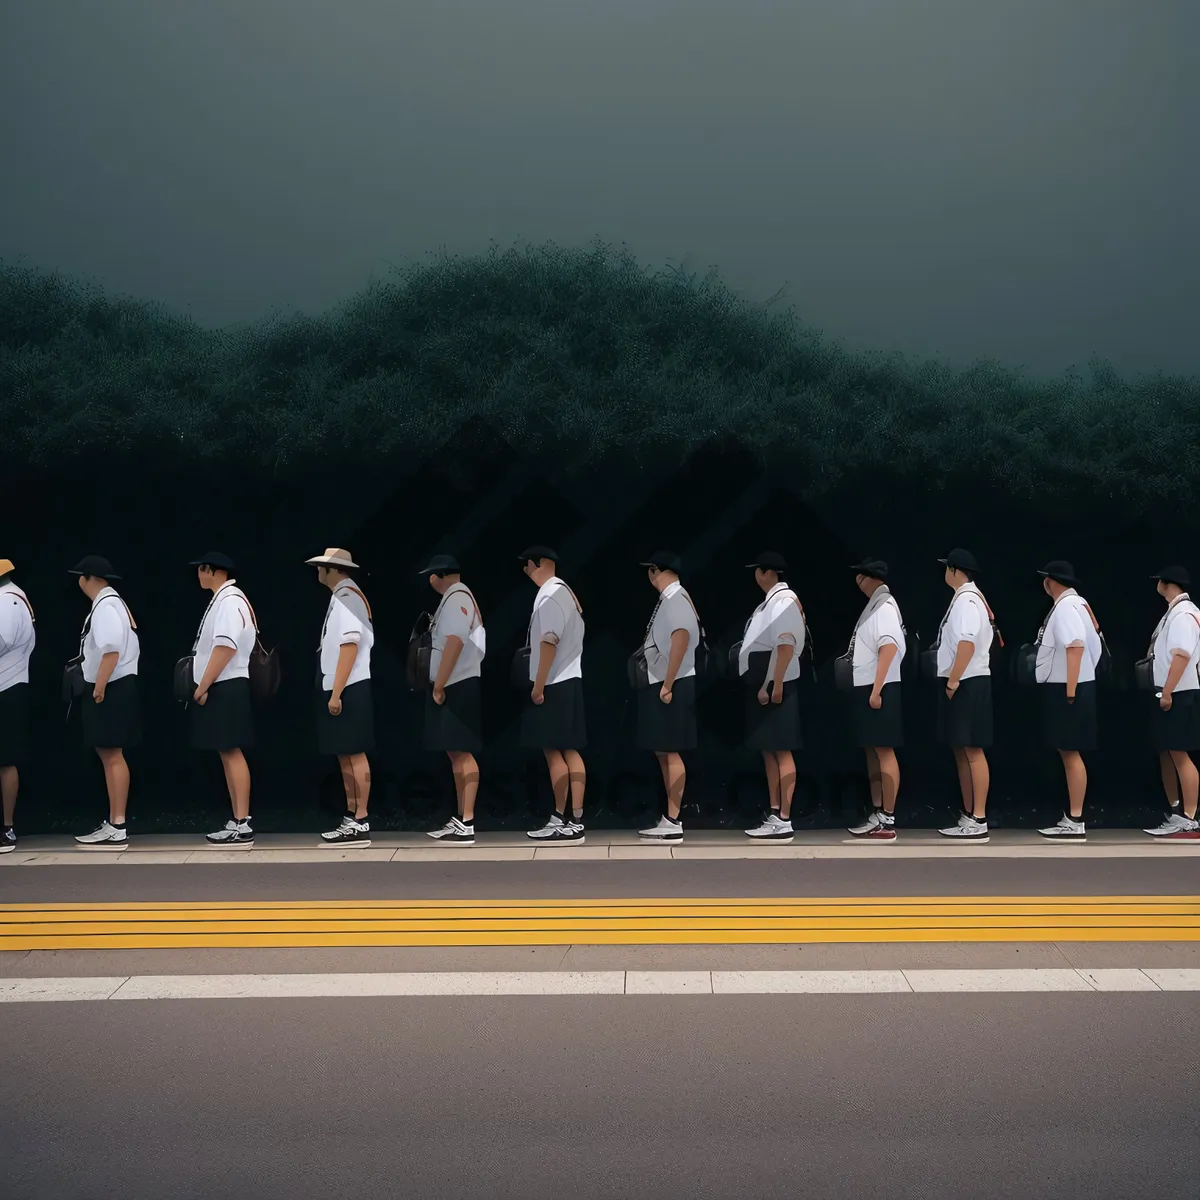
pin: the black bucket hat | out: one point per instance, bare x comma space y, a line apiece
96, 567
1175, 574
960, 560
872, 568
663, 560
768, 560
441, 564
1060, 571
537, 553
214, 558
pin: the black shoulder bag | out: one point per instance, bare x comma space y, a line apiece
419, 654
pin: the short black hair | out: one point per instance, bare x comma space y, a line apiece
6, 576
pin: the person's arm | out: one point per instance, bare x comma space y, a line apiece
228, 623
108, 634
1070, 626
108, 664
547, 650
1179, 663
783, 656
887, 652
680, 638
217, 662
450, 653
962, 660
347, 654
551, 623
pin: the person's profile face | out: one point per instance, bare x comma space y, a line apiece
951, 577
1161, 589
82, 583
1046, 587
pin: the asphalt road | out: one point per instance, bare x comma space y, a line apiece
818, 1096
523, 880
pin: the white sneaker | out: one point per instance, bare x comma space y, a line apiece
967, 829
1177, 827
1067, 828
871, 824
8, 841
773, 829
237, 835
571, 833
549, 830
349, 833
665, 831
105, 837
455, 833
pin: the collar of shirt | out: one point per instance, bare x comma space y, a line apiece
671, 589
547, 588
103, 594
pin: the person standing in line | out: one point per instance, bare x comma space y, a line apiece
553, 720
964, 710
345, 706
222, 717
666, 709
1175, 720
876, 652
110, 712
453, 720
769, 668
17, 638
1068, 649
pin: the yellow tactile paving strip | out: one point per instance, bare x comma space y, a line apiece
599, 922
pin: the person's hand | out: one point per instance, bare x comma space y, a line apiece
200, 696
98, 693
876, 700
951, 688
538, 695
1165, 701
439, 695
777, 695
763, 696
335, 706
664, 694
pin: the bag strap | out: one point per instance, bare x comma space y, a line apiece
366, 603
25, 601
458, 588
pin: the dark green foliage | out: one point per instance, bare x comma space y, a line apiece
578, 349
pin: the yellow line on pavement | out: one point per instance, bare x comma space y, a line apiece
198, 924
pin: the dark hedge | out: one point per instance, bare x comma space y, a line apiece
580, 349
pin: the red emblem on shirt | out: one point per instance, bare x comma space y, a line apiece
463, 611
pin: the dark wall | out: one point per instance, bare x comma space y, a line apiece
484, 499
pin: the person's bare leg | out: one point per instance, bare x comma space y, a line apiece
466, 783
560, 779
889, 777
873, 779
785, 765
772, 769
237, 779
9, 783
1076, 774
965, 784
577, 776
981, 780
456, 772
116, 781
356, 779
676, 775
1189, 780
1170, 777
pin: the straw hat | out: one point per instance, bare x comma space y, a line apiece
333, 557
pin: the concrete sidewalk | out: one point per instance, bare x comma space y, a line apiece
180, 849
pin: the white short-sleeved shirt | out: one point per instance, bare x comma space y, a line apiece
458, 616
110, 630
883, 628
556, 617
1178, 630
347, 622
966, 620
1069, 624
674, 611
777, 621
17, 636
227, 622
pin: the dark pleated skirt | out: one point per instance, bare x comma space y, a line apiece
117, 723
966, 721
456, 724
769, 726
14, 725
1068, 726
352, 731
667, 728
1178, 728
557, 723
225, 721
882, 727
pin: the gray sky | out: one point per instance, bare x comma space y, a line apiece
1006, 178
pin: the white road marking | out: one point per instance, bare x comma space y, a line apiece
592, 983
